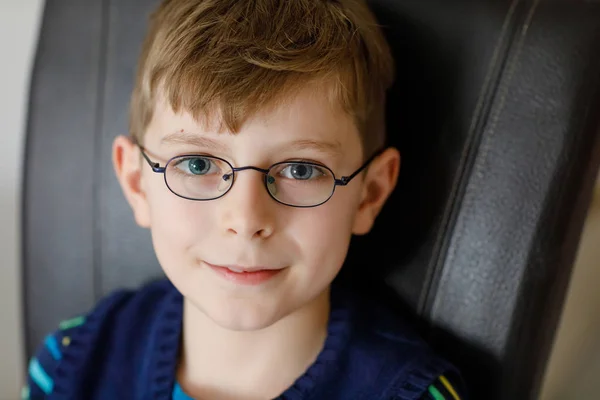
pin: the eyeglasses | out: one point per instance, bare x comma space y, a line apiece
292, 183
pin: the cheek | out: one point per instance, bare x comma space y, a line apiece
177, 225
324, 233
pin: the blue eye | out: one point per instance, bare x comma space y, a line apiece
195, 165
301, 171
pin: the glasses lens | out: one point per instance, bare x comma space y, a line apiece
198, 177
300, 184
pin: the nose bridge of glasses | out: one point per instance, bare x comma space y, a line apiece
264, 171
233, 170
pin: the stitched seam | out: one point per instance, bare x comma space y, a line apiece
455, 187
485, 147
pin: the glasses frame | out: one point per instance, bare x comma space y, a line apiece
343, 181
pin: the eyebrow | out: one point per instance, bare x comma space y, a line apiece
331, 148
193, 140
187, 138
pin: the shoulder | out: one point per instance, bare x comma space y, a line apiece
116, 326
386, 347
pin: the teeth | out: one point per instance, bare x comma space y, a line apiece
235, 270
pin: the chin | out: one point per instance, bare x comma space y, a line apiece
240, 317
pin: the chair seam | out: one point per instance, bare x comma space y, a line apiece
449, 210
485, 146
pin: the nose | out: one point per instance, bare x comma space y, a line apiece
247, 209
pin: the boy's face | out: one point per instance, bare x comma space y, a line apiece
303, 247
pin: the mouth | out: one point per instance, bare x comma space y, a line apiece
254, 275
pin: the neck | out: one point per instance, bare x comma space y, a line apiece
218, 363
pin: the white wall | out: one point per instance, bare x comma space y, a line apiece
19, 25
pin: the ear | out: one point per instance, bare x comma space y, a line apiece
127, 164
378, 183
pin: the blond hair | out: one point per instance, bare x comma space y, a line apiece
238, 57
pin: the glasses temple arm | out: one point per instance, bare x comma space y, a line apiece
344, 180
154, 165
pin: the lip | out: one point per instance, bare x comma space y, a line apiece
249, 276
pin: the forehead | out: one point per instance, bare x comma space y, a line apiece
305, 118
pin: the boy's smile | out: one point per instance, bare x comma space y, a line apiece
245, 275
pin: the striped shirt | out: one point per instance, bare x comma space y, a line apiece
40, 382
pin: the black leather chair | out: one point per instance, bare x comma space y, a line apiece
496, 111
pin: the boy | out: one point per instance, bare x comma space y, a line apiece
256, 150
